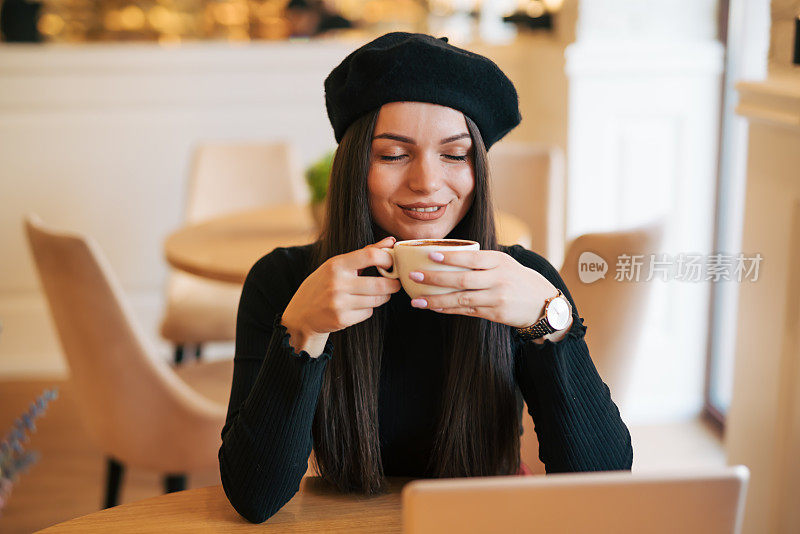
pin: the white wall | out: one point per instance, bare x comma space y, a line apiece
97, 139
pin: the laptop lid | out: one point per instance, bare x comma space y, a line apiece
707, 501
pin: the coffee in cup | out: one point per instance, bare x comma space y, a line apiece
412, 255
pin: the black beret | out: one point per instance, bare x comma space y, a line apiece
415, 67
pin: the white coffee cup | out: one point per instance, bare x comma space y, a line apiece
412, 255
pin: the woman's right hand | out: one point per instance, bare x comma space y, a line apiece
334, 296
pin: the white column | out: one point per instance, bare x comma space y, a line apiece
763, 423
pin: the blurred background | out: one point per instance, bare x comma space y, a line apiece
656, 130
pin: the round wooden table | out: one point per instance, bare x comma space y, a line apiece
225, 248
317, 507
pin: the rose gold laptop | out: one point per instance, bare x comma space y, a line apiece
706, 501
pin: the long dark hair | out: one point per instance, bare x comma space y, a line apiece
478, 429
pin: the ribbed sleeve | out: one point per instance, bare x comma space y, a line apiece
266, 440
578, 425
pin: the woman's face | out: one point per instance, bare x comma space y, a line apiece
421, 153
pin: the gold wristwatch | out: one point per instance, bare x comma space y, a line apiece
557, 311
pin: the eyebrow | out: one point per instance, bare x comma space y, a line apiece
404, 139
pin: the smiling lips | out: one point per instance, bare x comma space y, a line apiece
423, 205
424, 211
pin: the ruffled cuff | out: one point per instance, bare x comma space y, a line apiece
303, 356
576, 331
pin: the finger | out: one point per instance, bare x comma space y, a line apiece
385, 242
472, 279
356, 316
459, 299
374, 285
472, 312
357, 302
473, 259
368, 256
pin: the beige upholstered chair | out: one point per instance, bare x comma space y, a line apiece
527, 180
139, 411
529, 444
606, 303
603, 304
225, 178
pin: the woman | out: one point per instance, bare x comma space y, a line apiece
329, 354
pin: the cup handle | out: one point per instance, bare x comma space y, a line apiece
386, 273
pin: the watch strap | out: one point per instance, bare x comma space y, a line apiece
538, 329
541, 327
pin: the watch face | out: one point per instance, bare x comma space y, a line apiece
558, 313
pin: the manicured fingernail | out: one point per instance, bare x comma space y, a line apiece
436, 256
416, 276
437, 309
419, 303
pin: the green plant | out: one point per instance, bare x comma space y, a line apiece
317, 176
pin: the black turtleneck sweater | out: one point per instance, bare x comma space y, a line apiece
266, 440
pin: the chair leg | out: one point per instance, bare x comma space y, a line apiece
198, 351
114, 472
173, 483
178, 354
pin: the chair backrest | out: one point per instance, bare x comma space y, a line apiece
529, 444
228, 177
119, 383
613, 310
527, 180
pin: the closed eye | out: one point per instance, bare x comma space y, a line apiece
450, 156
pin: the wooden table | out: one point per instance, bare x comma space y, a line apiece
225, 248
317, 507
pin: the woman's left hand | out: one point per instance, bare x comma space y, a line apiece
496, 287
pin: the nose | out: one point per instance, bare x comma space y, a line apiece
425, 176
